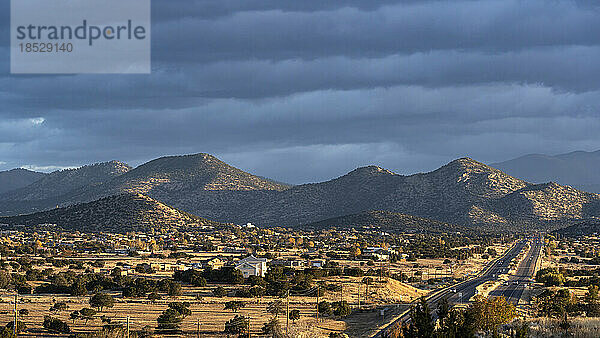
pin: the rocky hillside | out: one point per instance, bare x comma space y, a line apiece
387, 220
59, 188
463, 192
200, 183
120, 213
578, 169
448, 194
191, 173
18, 178
63, 182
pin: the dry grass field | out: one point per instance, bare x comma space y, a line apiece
209, 310
211, 314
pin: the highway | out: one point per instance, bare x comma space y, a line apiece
513, 289
462, 292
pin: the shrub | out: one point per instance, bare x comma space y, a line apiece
236, 325
220, 292
342, 309
102, 300
272, 328
324, 308
234, 305
55, 325
169, 320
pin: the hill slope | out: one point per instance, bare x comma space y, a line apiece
387, 220
448, 194
200, 183
578, 169
588, 227
463, 192
120, 213
18, 178
65, 181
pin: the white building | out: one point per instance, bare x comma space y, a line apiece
252, 266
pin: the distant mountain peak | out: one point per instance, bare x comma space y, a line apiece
469, 164
197, 171
18, 178
64, 181
577, 169
370, 170
20, 170
182, 161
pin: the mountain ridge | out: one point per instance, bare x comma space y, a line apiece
61, 182
388, 221
577, 168
464, 192
120, 213
18, 178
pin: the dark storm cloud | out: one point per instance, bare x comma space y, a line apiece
552, 67
274, 86
487, 25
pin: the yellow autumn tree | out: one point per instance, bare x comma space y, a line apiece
492, 312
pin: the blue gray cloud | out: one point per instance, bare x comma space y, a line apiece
306, 90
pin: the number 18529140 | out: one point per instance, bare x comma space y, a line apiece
41, 47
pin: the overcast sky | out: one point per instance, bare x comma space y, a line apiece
303, 91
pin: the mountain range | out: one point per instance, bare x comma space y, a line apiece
578, 169
464, 192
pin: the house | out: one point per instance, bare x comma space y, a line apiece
252, 266
318, 263
376, 253
235, 250
214, 263
290, 263
168, 267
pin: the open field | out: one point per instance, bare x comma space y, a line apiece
210, 313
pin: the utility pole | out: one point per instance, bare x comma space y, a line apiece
318, 292
389, 269
248, 325
359, 296
287, 313
127, 326
16, 316
198, 328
